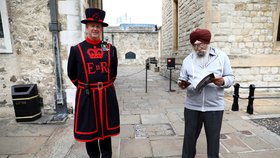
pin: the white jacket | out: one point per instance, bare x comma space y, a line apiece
212, 96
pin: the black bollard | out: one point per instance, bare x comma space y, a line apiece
146, 79
235, 106
250, 108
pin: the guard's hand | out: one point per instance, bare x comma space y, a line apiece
183, 84
219, 81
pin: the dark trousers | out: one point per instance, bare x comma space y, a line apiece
194, 120
99, 148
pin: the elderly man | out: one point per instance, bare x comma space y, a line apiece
92, 68
205, 106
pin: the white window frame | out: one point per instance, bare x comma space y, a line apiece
276, 22
7, 48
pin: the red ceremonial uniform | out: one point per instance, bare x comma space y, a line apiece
92, 68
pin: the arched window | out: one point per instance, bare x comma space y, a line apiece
130, 55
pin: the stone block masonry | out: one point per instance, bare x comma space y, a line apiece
245, 30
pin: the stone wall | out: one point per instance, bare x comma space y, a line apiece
32, 59
139, 39
244, 29
166, 35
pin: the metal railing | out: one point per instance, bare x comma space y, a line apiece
251, 96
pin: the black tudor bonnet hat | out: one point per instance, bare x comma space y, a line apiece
95, 15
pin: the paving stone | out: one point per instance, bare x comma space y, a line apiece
230, 155
154, 118
139, 111
232, 115
226, 128
78, 150
167, 147
260, 154
234, 144
135, 148
135, 107
178, 110
157, 109
256, 143
154, 100
10, 127
22, 156
165, 102
156, 130
127, 131
7, 112
21, 145
179, 128
59, 142
176, 100
223, 149
268, 136
241, 125
129, 119
174, 117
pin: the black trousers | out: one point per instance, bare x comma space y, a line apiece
99, 148
194, 120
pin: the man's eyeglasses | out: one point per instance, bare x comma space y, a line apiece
199, 45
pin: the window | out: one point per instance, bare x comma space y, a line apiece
130, 55
278, 31
5, 38
276, 28
1, 28
175, 26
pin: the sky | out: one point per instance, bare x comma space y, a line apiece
132, 11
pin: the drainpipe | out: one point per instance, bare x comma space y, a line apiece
60, 95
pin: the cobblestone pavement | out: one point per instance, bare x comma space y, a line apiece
272, 124
152, 125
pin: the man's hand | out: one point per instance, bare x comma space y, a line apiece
219, 81
183, 84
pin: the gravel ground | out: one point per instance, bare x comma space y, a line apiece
272, 124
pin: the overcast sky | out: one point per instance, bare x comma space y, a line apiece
134, 11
